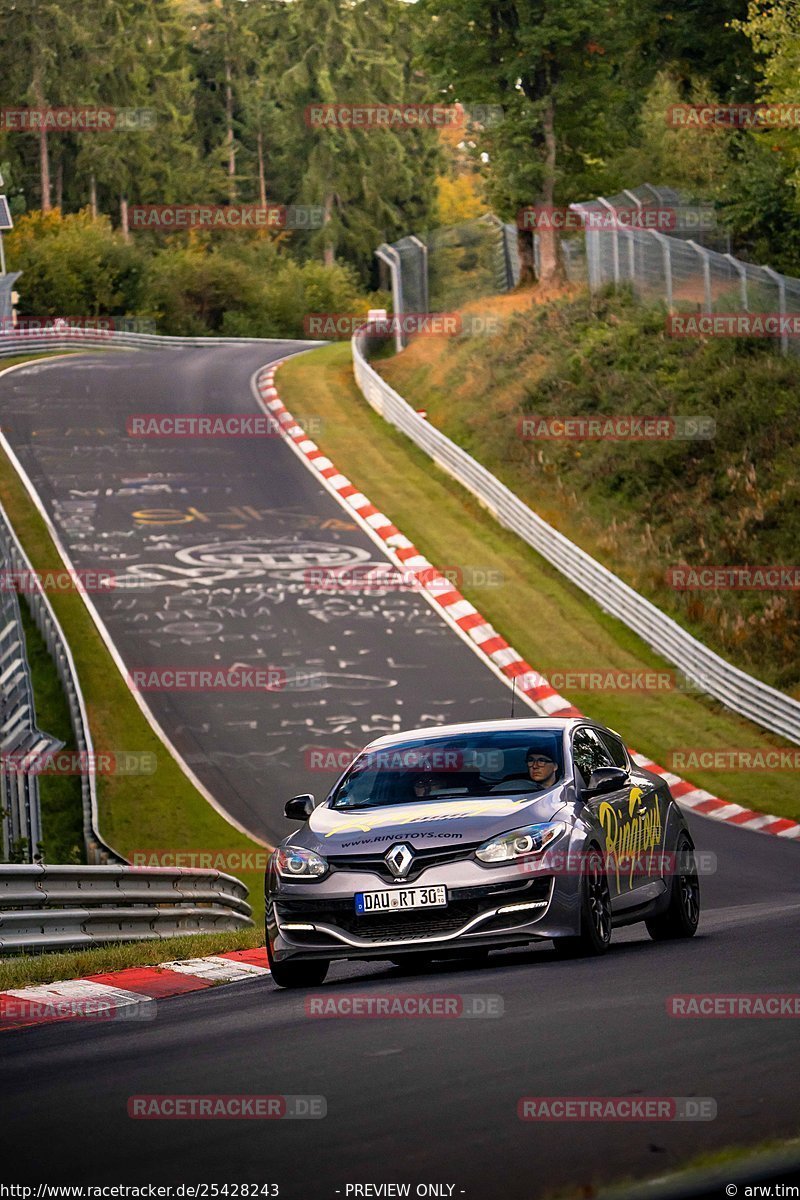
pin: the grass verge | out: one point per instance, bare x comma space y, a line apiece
551, 623
31, 969
23, 358
60, 795
696, 1170
731, 497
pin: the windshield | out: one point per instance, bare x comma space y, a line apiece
439, 768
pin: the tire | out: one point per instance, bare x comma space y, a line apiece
594, 938
293, 974
681, 917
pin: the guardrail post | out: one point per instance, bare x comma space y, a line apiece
384, 253
708, 303
615, 234
666, 251
633, 234
781, 282
423, 249
741, 270
591, 249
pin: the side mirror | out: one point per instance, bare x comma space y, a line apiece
605, 779
299, 808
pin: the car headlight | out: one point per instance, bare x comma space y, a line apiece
520, 843
293, 862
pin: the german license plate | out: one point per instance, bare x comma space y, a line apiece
401, 899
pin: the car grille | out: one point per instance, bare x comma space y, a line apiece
424, 857
463, 905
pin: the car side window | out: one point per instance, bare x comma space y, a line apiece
615, 748
589, 753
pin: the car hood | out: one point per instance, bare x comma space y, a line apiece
459, 821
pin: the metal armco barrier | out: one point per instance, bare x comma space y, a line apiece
12, 553
49, 908
13, 343
20, 812
734, 688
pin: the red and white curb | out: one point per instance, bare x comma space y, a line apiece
130, 994
470, 624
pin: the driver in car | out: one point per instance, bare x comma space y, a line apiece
542, 774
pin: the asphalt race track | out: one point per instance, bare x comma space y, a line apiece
424, 1101
210, 542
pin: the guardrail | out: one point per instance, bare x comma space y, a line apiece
50, 908
734, 688
12, 343
47, 623
20, 736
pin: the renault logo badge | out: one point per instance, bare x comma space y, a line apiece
399, 860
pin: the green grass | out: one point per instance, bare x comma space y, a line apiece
23, 358
60, 795
640, 507
732, 1157
551, 623
162, 811
30, 969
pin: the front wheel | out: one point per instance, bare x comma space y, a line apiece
595, 935
682, 916
294, 974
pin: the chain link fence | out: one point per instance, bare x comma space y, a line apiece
686, 264
447, 267
653, 240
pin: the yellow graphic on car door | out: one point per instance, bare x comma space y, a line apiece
633, 836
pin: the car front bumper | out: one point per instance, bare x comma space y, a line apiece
485, 909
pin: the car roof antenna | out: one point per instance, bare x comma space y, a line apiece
513, 694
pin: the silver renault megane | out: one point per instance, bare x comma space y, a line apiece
461, 839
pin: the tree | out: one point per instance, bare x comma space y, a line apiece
695, 39
375, 183
695, 162
73, 266
773, 27
145, 67
535, 57
226, 51
42, 43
